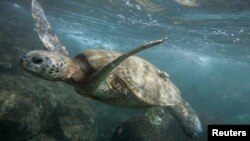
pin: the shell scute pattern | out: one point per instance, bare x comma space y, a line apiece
146, 84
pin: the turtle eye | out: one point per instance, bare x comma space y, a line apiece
37, 60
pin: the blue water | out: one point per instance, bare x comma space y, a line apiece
207, 53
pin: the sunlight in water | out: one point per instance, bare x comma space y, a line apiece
188, 2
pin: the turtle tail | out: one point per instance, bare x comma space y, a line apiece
187, 119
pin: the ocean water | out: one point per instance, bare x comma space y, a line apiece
206, 55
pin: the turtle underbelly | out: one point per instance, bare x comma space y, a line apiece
117, 93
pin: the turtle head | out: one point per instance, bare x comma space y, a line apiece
45, 64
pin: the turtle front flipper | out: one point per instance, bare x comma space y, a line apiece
103, 73
186, 117
45, 31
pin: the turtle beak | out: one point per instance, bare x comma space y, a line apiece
24, 60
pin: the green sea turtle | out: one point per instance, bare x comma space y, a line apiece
111, 77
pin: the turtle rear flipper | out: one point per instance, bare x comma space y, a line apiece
103, 73
45, 31
187, 119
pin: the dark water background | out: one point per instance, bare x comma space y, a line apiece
207, 55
